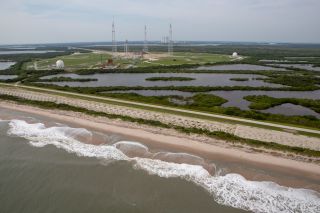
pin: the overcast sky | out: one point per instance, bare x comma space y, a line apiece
50, 21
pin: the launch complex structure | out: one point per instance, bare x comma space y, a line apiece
145, 49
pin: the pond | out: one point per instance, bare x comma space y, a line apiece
291, 109
14, 52
299, 66
6, 77
239, 67
138, 79
6, 64
235, 98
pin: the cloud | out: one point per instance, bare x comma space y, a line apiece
33, 21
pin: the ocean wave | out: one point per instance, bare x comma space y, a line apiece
40, 136
231, 189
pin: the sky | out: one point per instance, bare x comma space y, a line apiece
58, 21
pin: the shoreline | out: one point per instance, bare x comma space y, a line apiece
177, 142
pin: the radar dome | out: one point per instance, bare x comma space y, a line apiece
235, 54
60, 64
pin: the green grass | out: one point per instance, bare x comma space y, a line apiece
180, 58
74, 61
93, 60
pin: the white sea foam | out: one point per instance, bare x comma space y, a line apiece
131, 144
40, 136
185, 157
232, 189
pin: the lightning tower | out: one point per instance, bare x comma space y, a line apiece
114, 43
126, 48
145, 45
170, 42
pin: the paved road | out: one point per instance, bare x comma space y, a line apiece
171, 109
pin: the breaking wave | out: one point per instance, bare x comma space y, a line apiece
231, 189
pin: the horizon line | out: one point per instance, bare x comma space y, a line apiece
159, 41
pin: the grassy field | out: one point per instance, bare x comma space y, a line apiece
186, 58
94, 60
74, 61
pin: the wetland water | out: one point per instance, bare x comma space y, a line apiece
47, 166
235, 99
6, 64
6, 77
138, 79
240, 67
291, 109
14, 52
299, 66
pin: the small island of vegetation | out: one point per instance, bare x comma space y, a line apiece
67, 79
239, 79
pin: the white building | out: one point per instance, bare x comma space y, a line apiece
60, 64
235, 55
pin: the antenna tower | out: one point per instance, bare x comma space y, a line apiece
145, 46
170, 42
114, 43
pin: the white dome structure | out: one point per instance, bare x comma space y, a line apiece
60, 64
235, 55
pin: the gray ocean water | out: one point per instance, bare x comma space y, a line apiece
46, 166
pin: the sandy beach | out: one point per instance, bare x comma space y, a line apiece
171, 139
